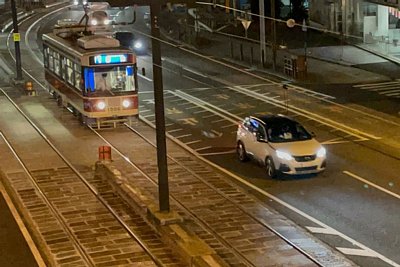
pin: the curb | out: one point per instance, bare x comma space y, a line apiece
172, 228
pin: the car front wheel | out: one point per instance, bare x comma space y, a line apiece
241, 152
270, 168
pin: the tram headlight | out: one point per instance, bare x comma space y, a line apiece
126, 103
101, 105
94, 22
106, 21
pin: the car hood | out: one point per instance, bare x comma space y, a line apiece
298, 148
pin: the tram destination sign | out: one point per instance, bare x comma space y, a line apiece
109, 59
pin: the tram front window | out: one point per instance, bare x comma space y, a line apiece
115, 79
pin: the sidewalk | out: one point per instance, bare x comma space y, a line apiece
326, 64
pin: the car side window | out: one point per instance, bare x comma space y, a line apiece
261, 132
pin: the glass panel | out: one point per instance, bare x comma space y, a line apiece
111, 79
57, 68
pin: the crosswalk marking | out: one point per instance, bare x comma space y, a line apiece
389, 89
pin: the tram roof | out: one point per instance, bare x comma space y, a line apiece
70, 45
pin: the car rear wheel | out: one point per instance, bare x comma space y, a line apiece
241, 152
270, 168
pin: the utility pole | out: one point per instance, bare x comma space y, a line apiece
163, 188
273, 32
262, 32
17, 38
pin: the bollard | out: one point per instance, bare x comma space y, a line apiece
29, 88
143, 71
105, 153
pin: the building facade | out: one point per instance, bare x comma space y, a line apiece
373, 24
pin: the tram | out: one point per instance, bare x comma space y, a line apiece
92, 75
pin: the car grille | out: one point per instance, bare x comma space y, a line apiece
303, 169
304, 158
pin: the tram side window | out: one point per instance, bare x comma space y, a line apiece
57, 68
78, 76
51, 60
69, 71
46, 53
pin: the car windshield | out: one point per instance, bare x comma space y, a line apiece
286, 131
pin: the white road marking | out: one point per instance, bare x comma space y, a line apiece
338, 140
208, 116
195, 72
150, 115
192, 107
219, 153
144, 77
321, 230
200, 111
372, 184
184, 135
229, 125
175, 130
219, 120
373, 84
357, 252
203, 148
193, 142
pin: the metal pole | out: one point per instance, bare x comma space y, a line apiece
262, 32
273, 31
16, 41
163, 190
304, 28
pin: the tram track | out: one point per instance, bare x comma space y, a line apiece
122, 220
225, 197
215, 185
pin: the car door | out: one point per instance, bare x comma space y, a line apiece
246, 135
253, 129
260, 151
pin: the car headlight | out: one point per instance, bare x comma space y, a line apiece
76, 3
321, 152
126, 103
106, 21
93, 22
101, 105
138, 45
283, 155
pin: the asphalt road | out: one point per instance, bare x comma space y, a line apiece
203, 103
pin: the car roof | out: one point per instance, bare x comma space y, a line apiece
275, 119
